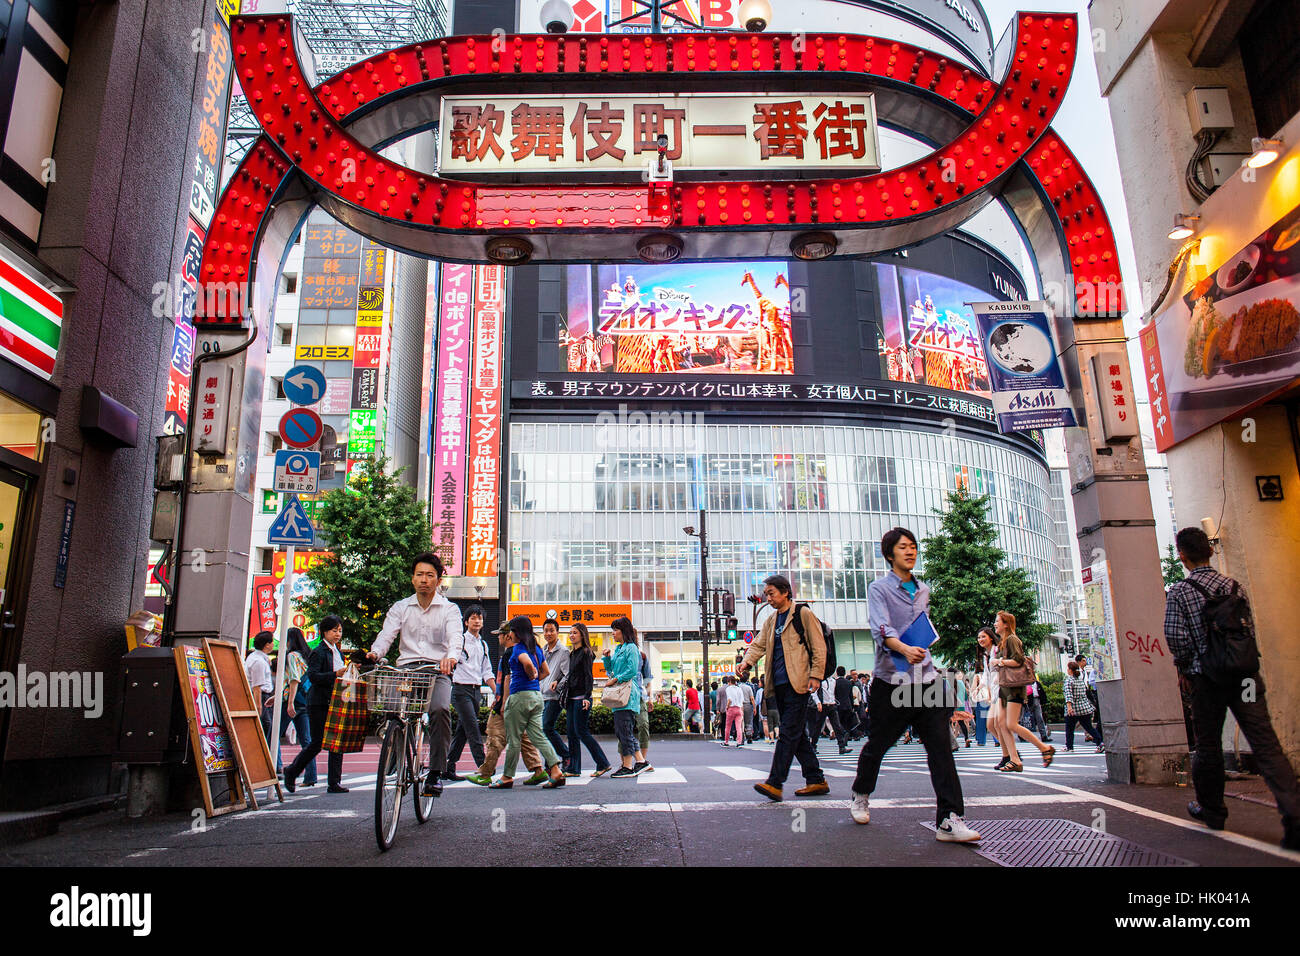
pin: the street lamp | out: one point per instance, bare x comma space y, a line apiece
704, 612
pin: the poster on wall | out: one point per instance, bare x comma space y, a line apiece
1028, 382
1232, 341
1101, 643
928, 335
730, 318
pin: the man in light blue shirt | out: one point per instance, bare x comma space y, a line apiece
907, 692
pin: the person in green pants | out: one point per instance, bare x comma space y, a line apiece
523, 667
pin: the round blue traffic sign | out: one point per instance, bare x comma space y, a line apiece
304, 385
749, 637
300, 428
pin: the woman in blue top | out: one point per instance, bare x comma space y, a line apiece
624, 667
523, 666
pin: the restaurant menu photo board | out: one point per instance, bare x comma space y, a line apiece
729, 318
1231, 341
928, 335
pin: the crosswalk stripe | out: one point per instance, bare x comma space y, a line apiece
662, 775
741, 773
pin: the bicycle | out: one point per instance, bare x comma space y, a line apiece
402, 696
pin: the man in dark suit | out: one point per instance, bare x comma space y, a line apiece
325, 664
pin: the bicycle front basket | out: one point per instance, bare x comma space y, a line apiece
395, 691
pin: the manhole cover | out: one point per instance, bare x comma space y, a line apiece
1060, 843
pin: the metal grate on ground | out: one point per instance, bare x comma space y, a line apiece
1062, 843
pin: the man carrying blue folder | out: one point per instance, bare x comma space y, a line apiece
906, 688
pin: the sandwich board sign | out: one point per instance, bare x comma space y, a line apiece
291, 526
297, 472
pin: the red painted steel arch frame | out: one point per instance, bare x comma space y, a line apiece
997, 140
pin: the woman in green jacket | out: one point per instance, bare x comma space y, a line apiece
623, 667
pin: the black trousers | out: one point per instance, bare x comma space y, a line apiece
1210, 703
465, 701
888, 721
817, 718
848, 720
317, 714
793, 740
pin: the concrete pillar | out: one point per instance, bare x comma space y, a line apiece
1142, 719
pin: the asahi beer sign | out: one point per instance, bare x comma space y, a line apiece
1025, 373
582, 134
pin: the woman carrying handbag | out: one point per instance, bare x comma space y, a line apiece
1015, 672
622, 695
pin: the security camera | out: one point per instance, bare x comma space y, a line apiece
557, 16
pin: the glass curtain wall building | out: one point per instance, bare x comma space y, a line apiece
807, 408
604, 524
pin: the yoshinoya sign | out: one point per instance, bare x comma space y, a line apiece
593, 133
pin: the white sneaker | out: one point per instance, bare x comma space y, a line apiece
955, 830
858, 808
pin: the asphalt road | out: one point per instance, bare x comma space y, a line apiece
697, 808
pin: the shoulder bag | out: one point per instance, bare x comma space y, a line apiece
1020, 676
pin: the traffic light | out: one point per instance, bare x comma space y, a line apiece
728, 603
732, 628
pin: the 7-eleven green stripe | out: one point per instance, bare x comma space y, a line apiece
28, 319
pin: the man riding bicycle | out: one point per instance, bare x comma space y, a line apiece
429, 627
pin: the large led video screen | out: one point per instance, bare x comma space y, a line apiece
725, 318
928, 333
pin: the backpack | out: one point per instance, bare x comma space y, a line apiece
1231, 652
827, 634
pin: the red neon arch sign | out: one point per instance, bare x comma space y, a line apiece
305, 144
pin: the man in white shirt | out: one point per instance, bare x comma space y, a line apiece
473, 669
429, 628
258, 667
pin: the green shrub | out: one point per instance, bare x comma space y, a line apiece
602, 719
665, 719
1054, 702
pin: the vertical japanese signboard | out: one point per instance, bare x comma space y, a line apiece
448, 474
205, 170
485, 417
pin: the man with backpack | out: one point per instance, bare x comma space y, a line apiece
793, 642
1211, 637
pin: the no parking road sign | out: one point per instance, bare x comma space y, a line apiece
304, 385
291, 526
301, 428
297, 472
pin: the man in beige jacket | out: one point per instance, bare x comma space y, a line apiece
791, 675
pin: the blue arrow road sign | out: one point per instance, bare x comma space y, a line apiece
291, 526
304, 385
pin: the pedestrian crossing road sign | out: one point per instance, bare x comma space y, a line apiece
297, 472
291, 526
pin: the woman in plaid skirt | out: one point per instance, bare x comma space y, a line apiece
325, 664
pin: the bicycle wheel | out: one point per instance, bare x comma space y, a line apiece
421, 747
389, 782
